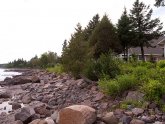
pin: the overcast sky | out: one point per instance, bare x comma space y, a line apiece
32, 27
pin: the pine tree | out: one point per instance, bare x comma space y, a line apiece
144, 27
125, 33
73, 58
159, 3
91, 26
104, 38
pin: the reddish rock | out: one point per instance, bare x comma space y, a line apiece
77, 114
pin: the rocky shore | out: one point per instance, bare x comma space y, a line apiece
40, 97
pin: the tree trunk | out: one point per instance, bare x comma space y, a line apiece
142, 52
127, 53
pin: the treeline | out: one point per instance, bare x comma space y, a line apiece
89, 49
47, 59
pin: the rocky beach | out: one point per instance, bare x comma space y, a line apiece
41, 97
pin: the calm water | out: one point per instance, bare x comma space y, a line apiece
4, 106
4, 74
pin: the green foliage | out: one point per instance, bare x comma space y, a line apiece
58, 69
19, 63
109, 87
140, 73
144, 26
161, 64
153, 90
74, 56
119, 85
104, 38
107, 65
127, 103
125, 34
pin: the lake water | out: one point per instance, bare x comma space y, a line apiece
4, 106
4, 74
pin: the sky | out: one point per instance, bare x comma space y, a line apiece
32, 27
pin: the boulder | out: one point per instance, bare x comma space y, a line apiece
26, 99
35, 79
41, 109
110, 118
38, 121
136, 121
4, 94
16, 106
137, 111
25, 115
134, 96
49, 120
77, 114
18, 122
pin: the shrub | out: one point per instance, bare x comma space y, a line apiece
107, 65
126, 82
90, 70
109, 87
161, 64
153, 90
140, 73
118, 85
58, 69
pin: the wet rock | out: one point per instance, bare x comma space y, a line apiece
136, 121
77, 114
110, 118
5, 94
25, 115
16, 106
137, 111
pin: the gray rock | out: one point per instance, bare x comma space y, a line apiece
26, 99
136, 121
5, 94
137, 111
148, 119
25, 115
134, 96
16, 106
18, 122
49, 120
110, 118
126, 119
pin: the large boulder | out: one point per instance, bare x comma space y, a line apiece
38, 121
4, 94
25, 115
21, 80
77, 114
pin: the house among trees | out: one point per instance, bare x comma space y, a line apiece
154, 53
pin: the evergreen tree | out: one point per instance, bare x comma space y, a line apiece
64, 46
125, 33
159, 3
74, 56
144, 27
91, 26
104, 38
